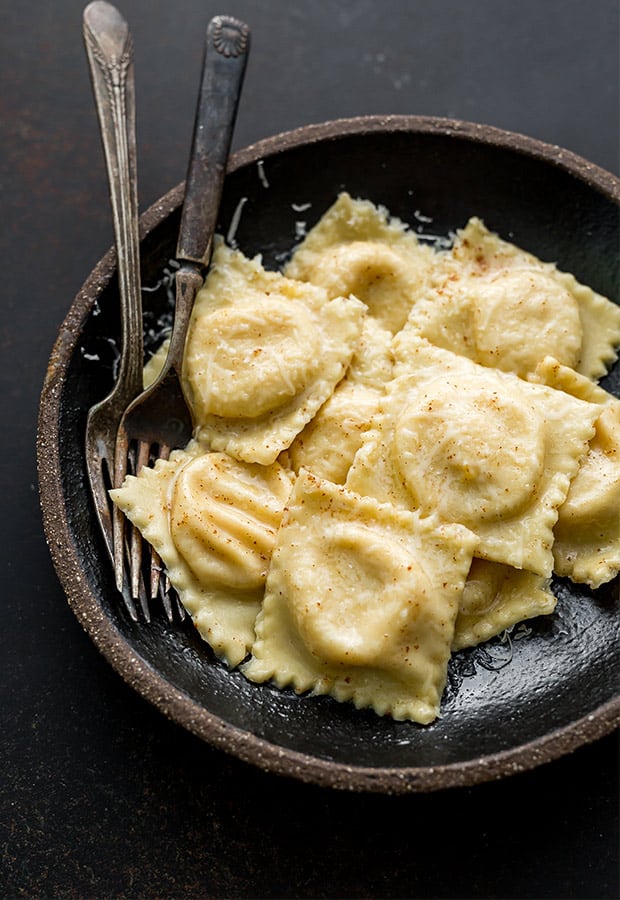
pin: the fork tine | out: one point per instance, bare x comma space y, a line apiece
165, 598
135, 560
156, 573
118, 518
161, 587
139, 590
142, 457
160, 416
100, 480
99, 476
160, 583
132, 588
180, 608
170, 600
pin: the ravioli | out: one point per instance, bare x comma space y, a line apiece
360, 602
475, 446
213, 520
395, 448
587, 534
329, 442
263, 353
358, 248
503, 307
497, 597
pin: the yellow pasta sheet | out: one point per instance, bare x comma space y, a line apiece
497, 597
475, 446
587, 534
502, 307
329, 442
213, 520
358, 248
263, 354
360, 602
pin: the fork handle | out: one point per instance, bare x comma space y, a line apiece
225, 57
109, 50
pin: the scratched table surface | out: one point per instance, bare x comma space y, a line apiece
100, 795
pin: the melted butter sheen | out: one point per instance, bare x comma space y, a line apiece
469, 451
224, 518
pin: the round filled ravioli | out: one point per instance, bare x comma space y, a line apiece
360, 602
224, 516
357, 248
263, 354
253, 360
503, 307
471, 451
520, 315
377, 587
477, 446
213, 521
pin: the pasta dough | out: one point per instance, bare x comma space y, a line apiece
502, 307
395, 448
328, 443
357, 248
475, 446
495, 598
360, 602
586, 544
263, 353
213, 521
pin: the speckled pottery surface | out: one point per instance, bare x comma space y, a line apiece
508, 706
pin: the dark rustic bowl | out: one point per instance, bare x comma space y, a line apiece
508, 707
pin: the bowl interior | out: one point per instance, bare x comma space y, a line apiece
503, 698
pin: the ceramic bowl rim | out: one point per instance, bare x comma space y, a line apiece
172, 702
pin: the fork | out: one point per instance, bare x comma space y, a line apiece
109, 51
159, 420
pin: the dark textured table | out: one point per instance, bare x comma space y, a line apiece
100, 795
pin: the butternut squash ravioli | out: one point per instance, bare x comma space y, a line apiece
397, 445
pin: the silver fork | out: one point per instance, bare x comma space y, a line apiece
110, 56
159, 420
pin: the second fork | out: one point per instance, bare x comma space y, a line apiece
159, 420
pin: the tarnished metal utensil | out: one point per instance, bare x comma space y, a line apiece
109, 50
159, 420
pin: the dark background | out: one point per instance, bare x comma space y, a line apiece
100, 796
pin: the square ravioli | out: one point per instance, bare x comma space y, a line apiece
475, 446
503, 307
213, 521
497, 597
360, 602
587, 533
358, 248
263, 354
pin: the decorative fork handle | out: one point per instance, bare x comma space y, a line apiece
109, 50
226, 51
